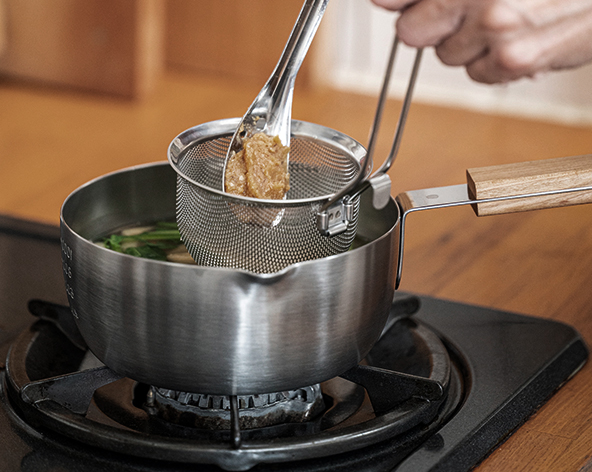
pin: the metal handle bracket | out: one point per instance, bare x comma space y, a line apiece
381, 188
336, 219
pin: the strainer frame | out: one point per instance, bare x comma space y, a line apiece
191, 143
218, 128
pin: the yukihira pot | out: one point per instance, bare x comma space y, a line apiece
219, 330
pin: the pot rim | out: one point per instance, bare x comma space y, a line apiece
199, 268
226, 126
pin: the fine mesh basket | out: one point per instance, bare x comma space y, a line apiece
262, 236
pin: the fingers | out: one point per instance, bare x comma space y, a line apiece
505, 64
464, 46
444, 18
482, 23
525, 53
394, 5
499, 40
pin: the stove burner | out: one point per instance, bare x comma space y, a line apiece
255, 411
407, 390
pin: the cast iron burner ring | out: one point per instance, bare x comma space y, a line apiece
214, 411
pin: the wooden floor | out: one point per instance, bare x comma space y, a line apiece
539, 263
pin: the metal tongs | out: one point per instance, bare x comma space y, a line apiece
271, 111
335, 215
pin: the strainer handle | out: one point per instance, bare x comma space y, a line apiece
334, 216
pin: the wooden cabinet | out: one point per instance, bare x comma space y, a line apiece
110, 46
120, 47
3, 40
236, 38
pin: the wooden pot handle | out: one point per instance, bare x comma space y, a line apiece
527, 178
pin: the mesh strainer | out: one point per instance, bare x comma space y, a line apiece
257, 235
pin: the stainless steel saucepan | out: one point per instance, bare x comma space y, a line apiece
218, 330
228, 331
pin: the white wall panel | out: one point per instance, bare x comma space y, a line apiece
354, 41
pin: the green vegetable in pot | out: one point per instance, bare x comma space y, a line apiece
160, 241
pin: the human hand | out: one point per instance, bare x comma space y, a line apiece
499, 40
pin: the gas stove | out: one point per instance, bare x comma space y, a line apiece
444, 386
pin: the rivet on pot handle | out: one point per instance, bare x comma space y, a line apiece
506, 188
332, 216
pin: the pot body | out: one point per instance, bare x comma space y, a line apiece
219, 330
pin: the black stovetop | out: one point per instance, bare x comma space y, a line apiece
508, 365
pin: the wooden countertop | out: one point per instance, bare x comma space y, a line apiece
538, 263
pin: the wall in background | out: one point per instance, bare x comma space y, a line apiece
353, 45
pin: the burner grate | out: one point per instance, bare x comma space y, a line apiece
116, 417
